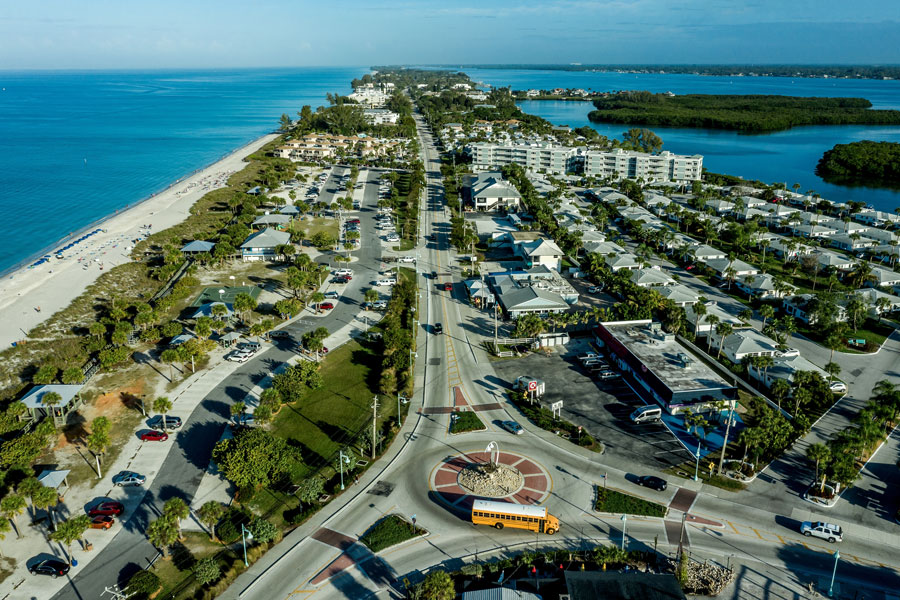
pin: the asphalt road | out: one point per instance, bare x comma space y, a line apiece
183, 469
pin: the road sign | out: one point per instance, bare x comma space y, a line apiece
556, 408
532, 385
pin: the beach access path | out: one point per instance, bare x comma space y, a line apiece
29, 296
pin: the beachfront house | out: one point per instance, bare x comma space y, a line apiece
278, 221
262, 244
64, 399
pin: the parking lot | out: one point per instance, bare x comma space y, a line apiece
602, 408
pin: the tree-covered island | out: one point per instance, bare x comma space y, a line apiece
748, 114
862, 163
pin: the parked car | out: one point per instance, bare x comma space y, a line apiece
595, 289
239, 356
341, 280
171, 422
332, 295
653, 482
343, 272
838, 387
128, 478
407, 259
389, 281
282, 333
512, 427
102, 522
111, 508
392, 238
604, 375
827, 531
438, 328
380, 305
325, 306
154, 436
588, 356
50, 566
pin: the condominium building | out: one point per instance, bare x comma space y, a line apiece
546, 158
623, 164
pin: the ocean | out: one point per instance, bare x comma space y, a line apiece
77, 146
784, 156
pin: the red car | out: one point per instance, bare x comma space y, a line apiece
353, 220
111, 509
326, 306
154, 436
102, 522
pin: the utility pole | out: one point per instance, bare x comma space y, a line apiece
374, 420
725, 441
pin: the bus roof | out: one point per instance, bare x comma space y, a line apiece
510, 508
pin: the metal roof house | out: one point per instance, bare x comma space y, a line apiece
277, 220
680, 294
197, 247
490, 191
69, 401
499, 593
261, 245
745, 344
207, 310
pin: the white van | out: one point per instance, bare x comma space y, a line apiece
390, 281
646, 414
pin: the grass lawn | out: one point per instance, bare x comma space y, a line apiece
330, 418
388, 532
182, 557
611, 501
465, 421
313, 225
874, 333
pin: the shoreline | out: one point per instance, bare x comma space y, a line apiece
31, 295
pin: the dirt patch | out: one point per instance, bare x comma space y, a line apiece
112, 404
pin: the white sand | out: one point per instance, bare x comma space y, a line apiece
53, 285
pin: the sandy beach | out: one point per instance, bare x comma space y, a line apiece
29, 296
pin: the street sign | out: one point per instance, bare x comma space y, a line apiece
532, 385
556, 408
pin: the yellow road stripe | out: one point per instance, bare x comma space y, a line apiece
733, 527
758, 534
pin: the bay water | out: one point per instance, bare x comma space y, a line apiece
784, 156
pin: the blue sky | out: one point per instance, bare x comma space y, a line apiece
94, 34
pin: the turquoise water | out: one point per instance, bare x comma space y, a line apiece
785, 156
77, 146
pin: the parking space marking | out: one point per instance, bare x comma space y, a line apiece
758, 534
734, 528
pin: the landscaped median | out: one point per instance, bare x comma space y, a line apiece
612, 501
464, 421
545, 419
390, 531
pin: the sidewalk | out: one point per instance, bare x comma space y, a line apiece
142, 457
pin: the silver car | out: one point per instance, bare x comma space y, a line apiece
126, 478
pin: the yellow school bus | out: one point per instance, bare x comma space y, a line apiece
519, 516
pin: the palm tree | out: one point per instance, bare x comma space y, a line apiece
162, 533
177, 510
12, 506
780, 390
861, 274
724, 330
699, 309
211, 513
161, 406
833, 370
69, 531
766, 312
713, 321
51, 399
820, 454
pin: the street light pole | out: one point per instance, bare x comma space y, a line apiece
245, 535
624, 523
837, 556
341, 459
697, 466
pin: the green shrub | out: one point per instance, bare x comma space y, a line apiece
142, 584
207, 570
390, 531
611, 501
263, 531
229, 528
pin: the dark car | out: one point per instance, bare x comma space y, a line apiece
50, 566
438, 328
154, 436
111, 508
156, 423
279, 333
340, 280
652, 482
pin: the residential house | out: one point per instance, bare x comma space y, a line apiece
803, 306
517, 301
850, 242
714, 310
261, 245
704, 253
380, 116
603, 248
540, 252
651, 278
490, 192
761, 286
722, 266
479, 293
875, 217
680, 294
873, 295
746, 343
788, 248
785, 368
272, 220
720, 207
833, 260
624, 260
883, 278
812, 231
